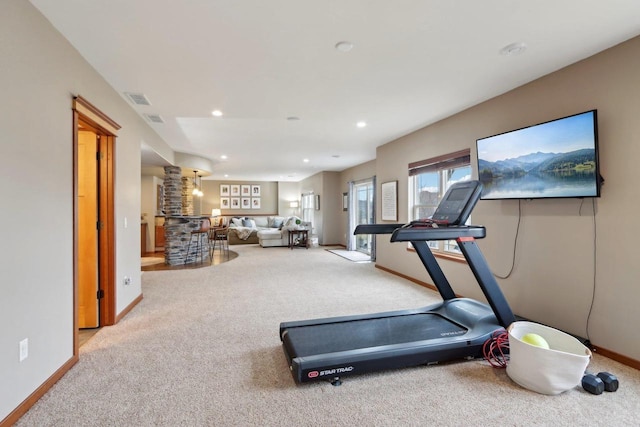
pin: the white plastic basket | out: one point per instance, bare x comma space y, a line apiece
546, 371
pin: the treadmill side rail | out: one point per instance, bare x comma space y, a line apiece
414, 233
376, 228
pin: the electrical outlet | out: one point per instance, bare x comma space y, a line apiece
127, 280
24, 349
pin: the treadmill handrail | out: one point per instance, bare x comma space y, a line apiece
421, 233
412, 232
376, 228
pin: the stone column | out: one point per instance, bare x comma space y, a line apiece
179, 221
172, 191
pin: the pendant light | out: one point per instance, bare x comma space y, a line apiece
195, 183
200, 193
197, 191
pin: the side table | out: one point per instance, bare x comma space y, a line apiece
298, 239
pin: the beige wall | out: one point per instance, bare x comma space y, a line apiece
330, 208
269, 200
288, 192
39, 75
553, 278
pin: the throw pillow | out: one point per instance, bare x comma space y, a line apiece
277, 223
246, 223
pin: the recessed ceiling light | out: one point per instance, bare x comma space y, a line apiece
344, 46
305, 160
513, 49
293, 118
361, 124
224, 157
335, 156
226, 175
217, 113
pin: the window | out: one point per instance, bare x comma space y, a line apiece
429, 180
307, 204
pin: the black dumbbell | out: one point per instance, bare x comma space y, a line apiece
610, 381
592, 384
596, 384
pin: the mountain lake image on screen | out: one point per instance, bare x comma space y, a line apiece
555, 159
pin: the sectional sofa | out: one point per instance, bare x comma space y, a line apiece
268, 231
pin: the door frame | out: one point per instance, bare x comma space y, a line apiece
352, 211
87, 115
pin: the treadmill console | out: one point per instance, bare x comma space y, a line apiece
457, 204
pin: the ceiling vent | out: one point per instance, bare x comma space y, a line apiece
154, 118
137, 98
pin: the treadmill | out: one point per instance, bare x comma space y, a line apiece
456, 328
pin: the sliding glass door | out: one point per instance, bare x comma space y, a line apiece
362, 211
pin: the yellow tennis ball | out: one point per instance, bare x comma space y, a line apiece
535, 339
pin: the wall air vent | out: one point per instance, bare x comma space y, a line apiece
137, 98
154, 118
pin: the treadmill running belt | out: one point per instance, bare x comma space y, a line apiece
366, 333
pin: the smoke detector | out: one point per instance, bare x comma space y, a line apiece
513, 49
344, 46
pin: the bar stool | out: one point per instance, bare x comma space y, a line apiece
199, 234
219, 234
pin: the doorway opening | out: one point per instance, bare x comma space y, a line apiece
93, 217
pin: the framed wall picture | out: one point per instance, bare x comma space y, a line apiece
224, 203
255, 191
225, 191
246, 203
245, 190
255, 203
235, 190
389, 201
235, 203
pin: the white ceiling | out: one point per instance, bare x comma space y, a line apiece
414, 62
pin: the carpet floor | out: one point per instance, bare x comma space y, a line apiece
202, 349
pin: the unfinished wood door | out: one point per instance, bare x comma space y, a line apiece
87, 230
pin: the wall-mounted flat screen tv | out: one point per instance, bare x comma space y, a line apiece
555, 159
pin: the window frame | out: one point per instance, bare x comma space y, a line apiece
307, 206
440, 165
